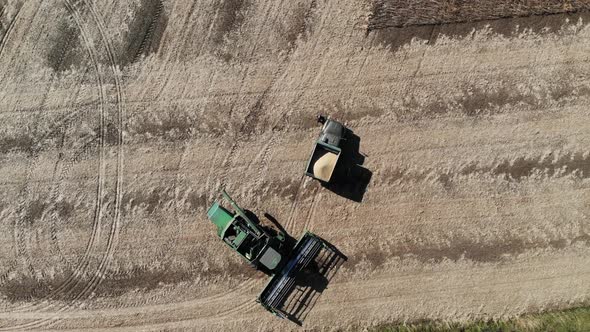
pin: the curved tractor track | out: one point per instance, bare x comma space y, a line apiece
121, 120
76, 287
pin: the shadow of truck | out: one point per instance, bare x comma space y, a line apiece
350, 178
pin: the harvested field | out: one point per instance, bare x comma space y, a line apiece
122, 120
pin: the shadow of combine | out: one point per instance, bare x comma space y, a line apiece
289, 240
311, 282
350, 178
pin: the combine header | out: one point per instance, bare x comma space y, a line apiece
265, 251
280, 285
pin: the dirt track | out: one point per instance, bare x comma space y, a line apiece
476, 135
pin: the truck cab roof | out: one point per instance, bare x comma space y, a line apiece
332, 132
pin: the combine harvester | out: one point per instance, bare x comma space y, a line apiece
266, 252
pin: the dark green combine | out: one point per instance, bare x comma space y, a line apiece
243, 235
265, 251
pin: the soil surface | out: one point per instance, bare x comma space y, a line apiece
122, 120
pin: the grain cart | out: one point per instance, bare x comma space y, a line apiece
265, 251
326, 151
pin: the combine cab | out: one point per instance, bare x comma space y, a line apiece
265, 251
244, 236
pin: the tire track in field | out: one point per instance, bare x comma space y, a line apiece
20, 246
68, 287
316, 197
295, 204
191, 25
227, 162
220, 295
72, 281
9, 30
100, 274
208, 37
298, 200
182, 159
383, 282
208, 183
352, 87
179, 55
244, 307
322, 23
343, 287
113, 236
251, 118
59, 124
280, 74
82, 267
253, 114
263, 160
162, 67
274, 9
156, 16
65, 169
284, 70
